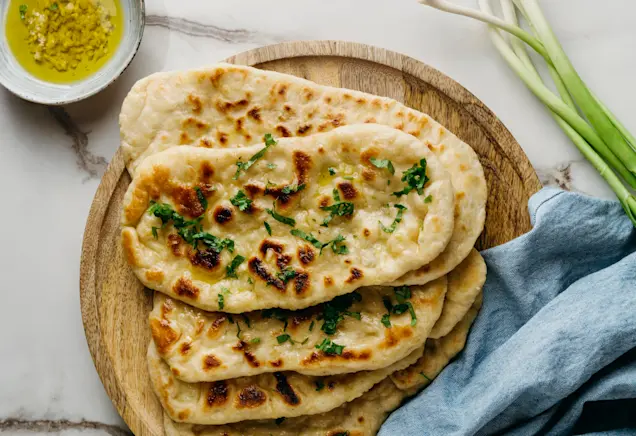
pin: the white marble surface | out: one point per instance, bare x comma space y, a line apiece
51, 159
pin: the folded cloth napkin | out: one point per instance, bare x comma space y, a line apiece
555, 337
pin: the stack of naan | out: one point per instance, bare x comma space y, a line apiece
312, 249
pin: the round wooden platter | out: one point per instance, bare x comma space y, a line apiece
115, 305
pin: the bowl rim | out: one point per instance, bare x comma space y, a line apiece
90, 92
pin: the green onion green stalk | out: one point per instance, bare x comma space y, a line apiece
589, 124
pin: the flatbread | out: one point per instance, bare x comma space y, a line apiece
361, 417
204, 346
464, 284
265, 396
181, 177
230, 106
437, 354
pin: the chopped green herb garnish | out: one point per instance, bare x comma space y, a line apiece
415, 178
403, 293
269, 139
383, 163
319, 385
328, 347
201, 197
335, 310
241, 201
190, 231
386, 320
250, 281
255, 341
54, 7
424, 375
340, 208
311, 326
290, 189
154, 232
221, 301
348, 177
307, 237
271, 166
238, 329
338, 246
286, 275
428, 199
281, 218
268, 228
247, 320
396, 221
244, 166
336, 195
231, 268
305, 341
23, 10
332, 171
284, 338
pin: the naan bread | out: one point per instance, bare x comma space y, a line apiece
437, 354
189, 178
464, 284
361, 417
204, 346
229, 106
265, 396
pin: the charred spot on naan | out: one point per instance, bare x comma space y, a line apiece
184, 138
328, 281
185, 288
366, 155
352, 355
210, 361
207, 259
250, 396
268, 244
187, 201
214, 331
226, 106
283, 131
283, 260
195, 125
206, 172
285, 390
395, 334
253, 190
302, 165
304, 130
257, 267
218, 394
163, 335
175, 244
301, 283
355, 274
185, 348
249, 357
222, 214
348, 191
255, 114
196, 104
306, 254
222, 137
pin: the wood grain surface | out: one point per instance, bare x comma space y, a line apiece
115, 305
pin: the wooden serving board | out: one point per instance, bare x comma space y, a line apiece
115, 305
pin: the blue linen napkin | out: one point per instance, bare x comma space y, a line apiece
556, 334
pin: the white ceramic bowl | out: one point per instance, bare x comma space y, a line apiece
17, 80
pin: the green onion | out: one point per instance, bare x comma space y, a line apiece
596, 132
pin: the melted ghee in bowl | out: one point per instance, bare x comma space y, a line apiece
63, 41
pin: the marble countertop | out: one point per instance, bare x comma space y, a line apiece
51, 159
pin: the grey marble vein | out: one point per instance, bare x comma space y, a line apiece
196, 29
12, 425
560, 176
93, 165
